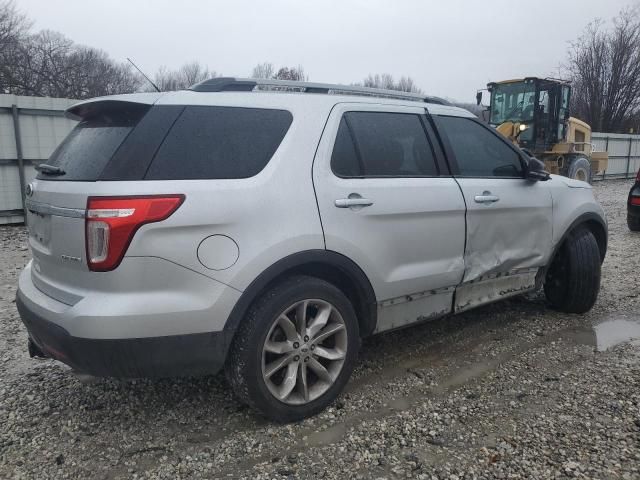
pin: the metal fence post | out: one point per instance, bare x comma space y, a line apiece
606, 149
626, 175
16, 131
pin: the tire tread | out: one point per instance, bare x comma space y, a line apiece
238, 370
582, 275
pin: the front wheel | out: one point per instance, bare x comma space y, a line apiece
295, 350
572, 282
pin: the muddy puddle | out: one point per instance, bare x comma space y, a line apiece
603, 335
615, 332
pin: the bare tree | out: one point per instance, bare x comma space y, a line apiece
406, 84
387, 82
291, 73
13, 24
182, 78
14, 27
49, 64
266, 70
384, 80
604, 66
632, 123
263, 70
194, 72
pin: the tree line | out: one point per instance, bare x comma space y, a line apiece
603, 66
46, 63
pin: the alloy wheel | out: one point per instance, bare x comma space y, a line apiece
304, 351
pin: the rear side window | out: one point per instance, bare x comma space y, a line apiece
381, 144
86, 151
478, 151
344, 159
219, 142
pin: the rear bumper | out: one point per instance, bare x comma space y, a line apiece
176, 355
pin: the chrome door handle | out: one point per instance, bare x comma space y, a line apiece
486, 197
353, 202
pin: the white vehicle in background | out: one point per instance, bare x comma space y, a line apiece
266, 227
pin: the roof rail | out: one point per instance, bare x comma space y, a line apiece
231, 84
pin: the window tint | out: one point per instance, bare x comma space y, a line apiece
219, 142
479, 152
344, 160
386, 144
86, 151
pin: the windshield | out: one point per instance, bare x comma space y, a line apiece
83, 155
512, 102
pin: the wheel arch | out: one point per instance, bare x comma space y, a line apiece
324, 264
595, 224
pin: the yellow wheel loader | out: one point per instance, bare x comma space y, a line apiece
534, 114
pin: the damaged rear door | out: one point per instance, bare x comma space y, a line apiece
509, 218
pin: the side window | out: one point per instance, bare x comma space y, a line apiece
219, 142
344, 160
380, 144
479, 152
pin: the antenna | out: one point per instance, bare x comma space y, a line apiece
142, 73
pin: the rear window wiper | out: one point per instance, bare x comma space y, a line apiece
49, 169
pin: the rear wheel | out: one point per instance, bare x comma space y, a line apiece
295, 350
633, 223
579, 168
573, 280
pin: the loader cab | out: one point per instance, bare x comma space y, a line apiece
540, 104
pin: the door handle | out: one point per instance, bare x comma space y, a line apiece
486, 198
353, 202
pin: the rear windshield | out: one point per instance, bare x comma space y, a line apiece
86, 151
170, 143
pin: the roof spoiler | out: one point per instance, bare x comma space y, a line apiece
89, 107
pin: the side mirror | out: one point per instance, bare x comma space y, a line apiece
479, 97
536, 171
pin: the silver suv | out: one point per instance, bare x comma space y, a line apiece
266, 227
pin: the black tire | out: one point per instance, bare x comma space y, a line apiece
573, 280
244, 364
633, 223
579, 168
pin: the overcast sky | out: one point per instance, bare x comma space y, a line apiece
450, 47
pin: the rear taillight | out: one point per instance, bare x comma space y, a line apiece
635, 201
111, 223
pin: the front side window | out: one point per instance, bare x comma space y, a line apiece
381, 144
478, 151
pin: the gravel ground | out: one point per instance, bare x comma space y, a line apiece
512, 390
